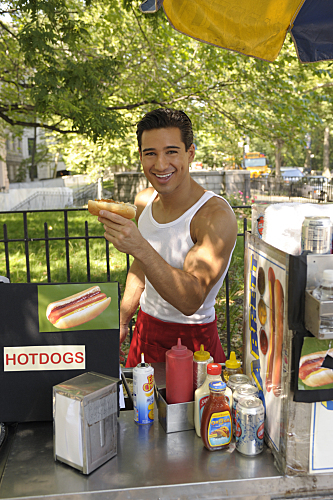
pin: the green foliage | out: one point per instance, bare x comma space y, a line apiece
89, 70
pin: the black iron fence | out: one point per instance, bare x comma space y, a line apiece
314, 188
66, 238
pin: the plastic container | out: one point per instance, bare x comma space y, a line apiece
202, 393
216, 422
324, 292
201, 359
232, 366
179, 374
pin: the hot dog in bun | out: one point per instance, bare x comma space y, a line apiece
311, 371
117, 207
78, 308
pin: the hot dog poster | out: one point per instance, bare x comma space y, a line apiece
78, 307
316, 364
265, 324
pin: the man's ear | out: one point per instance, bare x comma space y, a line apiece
140, 154
191, 153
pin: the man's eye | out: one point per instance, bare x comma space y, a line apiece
172, 151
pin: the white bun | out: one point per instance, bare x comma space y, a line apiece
321, 377
88, 313
68, 300
124, 209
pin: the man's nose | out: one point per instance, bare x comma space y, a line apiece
161, 163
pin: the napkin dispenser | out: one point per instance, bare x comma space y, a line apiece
85, 410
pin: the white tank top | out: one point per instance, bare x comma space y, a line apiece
172, 241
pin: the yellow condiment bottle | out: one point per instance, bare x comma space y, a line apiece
232, 366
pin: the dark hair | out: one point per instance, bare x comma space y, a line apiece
166, 118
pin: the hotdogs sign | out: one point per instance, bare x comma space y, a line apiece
34, 358
266, 280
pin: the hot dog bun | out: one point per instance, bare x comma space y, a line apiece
78, 308
311, 372
277, 362
124, 209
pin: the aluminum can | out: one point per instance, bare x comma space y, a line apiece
242, 391
238, 379
250, 426
200, 372
143, 393
316, 235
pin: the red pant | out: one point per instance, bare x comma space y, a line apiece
154, 337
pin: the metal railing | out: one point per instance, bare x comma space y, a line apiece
66, 238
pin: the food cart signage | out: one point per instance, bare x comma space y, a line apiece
32, 358
255, 364
55, 332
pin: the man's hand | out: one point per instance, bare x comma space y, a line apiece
121, 232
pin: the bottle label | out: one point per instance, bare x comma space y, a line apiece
219, 429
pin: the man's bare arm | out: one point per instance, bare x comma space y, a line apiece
215, 231
135, 284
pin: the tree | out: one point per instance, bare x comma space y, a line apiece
88, 71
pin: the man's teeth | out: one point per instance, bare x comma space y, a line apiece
164, 175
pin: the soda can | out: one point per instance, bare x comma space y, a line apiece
237, 379
143, 393
250, 426
242, 391
316, 235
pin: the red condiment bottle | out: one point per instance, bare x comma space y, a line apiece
216, 421
179, 374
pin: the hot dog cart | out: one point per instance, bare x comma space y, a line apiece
298, 422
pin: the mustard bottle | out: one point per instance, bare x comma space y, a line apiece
201, 359
232, 366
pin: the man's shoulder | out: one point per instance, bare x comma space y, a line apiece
142, 199
216, 206
218, 213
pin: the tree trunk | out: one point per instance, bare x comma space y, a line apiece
326, 152
33, 154
278, 143
307, 164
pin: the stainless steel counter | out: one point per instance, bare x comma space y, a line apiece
150, 464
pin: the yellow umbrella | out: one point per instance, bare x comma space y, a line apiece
255, 27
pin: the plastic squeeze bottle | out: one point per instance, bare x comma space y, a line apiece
201, 359
232, 366
179, 374
202, 393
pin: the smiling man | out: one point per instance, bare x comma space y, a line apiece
182, 246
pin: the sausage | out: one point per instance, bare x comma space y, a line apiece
277, 361
270, 358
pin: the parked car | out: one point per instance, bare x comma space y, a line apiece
313, 187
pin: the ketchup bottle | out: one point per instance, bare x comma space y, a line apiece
179, 374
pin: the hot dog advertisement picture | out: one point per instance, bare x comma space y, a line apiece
315, 369
265, 323
76, 306
52, 333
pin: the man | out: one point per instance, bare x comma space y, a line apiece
182, 246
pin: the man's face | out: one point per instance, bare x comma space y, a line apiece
164, 159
